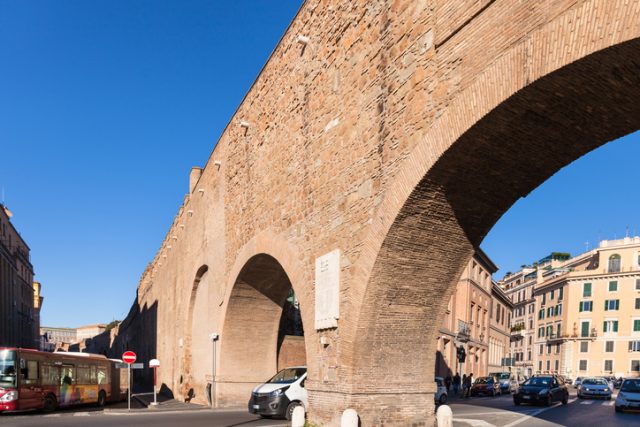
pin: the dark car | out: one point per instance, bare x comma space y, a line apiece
487, 386
542, 389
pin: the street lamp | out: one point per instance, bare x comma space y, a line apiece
213, 337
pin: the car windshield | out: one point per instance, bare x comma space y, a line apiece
539, 381
594, 381
7, 368
505, 376
631, 386
482, 380
287, 376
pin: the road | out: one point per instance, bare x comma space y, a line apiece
501, 412
84, 417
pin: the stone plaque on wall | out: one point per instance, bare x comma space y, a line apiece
327, 290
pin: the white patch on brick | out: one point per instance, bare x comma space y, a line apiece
333, 123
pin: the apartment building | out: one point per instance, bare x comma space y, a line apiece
588, 313
19, 317
477, 318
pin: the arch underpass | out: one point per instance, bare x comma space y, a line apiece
398, 134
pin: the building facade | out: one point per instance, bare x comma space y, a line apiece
477, 318
588, 313
18, 314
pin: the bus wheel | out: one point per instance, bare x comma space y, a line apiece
102, 398
50, 403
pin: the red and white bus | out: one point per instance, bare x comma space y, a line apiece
31, 379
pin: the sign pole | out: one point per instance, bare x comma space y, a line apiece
129, 387
155, 401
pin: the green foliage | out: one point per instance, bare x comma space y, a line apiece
112, 325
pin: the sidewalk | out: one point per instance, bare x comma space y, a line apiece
142, 402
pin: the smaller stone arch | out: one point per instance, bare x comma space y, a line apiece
191, 383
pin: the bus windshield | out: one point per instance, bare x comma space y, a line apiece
7, 368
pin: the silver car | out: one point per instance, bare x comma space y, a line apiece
441, 393
594, 387
629, 395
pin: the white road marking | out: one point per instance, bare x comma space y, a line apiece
609, 403
531, 415
81, 414
52, 415
587, 402
474, 423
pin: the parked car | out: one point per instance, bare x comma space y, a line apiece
544, 389
441, 395
618, 383
595, 387
507, 381
568, 381
279, 396
629, 395
611, 380
487, 386
577, 382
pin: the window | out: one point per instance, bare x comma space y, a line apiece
584, 347
611, 304
584, 332
583, 365
540, 332
551, 296
636, 325
613, 286
548, 349
548, 364
544, 298
586, 290
638, 280
608, 365
103, 378
635, 366
637, 303
557, 349
549, 330
557, 365
610, 326
29, 373
541, 349
586, 306
558, 311
558, 327
614, 263
67, 375
84, 375
608, 346
634, 346
549, 311
540, 365
560, 294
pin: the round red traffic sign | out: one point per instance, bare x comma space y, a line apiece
129, 357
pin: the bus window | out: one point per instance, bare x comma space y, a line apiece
94, 375
29, 372
7, 368
84, 375
103, 378
49, 374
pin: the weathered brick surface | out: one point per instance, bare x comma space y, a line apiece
399, 134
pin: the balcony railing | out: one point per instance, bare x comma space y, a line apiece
464, 331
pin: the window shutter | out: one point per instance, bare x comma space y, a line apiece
604, 326
615, 326
606, 305
581, 306
617, 304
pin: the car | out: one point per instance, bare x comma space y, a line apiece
629, 395
487, 386
544, 389
507, 381
611, 380
280, 395
577, 382
568, 381
618, 383
595, 387
441, 395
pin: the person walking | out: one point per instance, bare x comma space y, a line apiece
456, 384
468, 385
464, 383
447, 382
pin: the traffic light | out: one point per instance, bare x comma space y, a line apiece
462, 354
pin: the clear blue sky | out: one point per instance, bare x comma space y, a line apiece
106, 105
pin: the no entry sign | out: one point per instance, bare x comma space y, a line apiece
129, 357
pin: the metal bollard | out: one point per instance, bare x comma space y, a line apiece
444, 416
297, 419
349, 418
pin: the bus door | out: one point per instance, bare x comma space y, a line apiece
29, 388
68, 395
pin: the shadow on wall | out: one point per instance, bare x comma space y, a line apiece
138, 332
442, 368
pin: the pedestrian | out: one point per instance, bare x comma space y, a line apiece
464, 383
468, 385
447, 382
456, 384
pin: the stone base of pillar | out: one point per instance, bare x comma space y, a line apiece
374, 409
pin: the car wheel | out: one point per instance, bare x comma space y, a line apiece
549, 401
50, 403
443, 399
290, 409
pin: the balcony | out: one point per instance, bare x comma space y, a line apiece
464, 331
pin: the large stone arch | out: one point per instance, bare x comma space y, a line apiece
252, 312
466, 173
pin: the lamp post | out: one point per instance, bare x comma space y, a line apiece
214, 337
